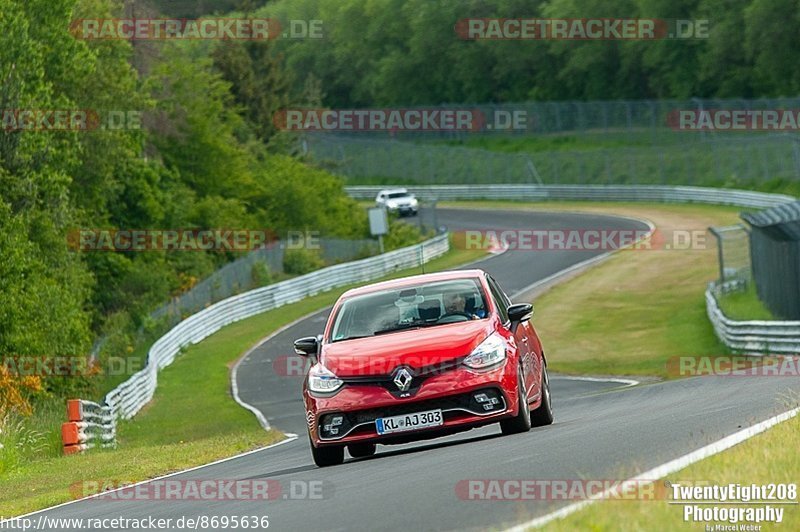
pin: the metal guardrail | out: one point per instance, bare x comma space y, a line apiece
754, 337
653, 193
128, 398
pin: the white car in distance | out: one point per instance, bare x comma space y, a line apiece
397, 200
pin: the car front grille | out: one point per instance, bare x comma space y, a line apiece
419, 376
451, 406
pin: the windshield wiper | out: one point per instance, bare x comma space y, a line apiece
405, 327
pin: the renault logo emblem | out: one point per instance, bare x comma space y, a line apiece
402, 378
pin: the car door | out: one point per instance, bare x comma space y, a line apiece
523, 337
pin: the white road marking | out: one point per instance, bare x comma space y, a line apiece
662, 470
234, 372
626, 382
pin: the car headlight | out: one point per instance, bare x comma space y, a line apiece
322, 380
490, 352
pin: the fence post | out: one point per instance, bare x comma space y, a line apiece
720, 258
796, 156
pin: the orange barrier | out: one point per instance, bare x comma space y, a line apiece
72, 432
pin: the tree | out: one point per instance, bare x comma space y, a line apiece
257, 80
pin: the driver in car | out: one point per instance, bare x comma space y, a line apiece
455, 303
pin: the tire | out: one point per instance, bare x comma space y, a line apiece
328, 455
544, 414
522, 421
361, 450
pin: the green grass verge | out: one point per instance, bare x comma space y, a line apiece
744, 305
633, 313
656, 157
192, 420
568, 142
769, 458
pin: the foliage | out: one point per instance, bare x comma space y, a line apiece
401, 235
301, 261
200, 160
405, 52
15, 392
261, 274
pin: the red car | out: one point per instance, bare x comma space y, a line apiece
422, 357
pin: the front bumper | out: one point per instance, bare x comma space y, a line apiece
453, 392
403, 210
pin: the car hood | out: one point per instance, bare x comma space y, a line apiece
416, 348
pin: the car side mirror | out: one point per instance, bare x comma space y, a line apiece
308, 346
518, 313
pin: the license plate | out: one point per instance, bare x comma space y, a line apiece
418, 420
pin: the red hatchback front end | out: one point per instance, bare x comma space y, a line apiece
418, 358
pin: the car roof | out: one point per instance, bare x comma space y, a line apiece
414, 280
393, 190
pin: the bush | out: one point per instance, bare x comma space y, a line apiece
260, 274
15, 392
301, 261
401, 235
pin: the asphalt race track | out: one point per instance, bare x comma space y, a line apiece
603, 430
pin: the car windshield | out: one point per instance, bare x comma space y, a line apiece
411, 307
395, 195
